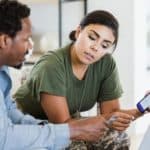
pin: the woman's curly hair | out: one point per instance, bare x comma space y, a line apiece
11, 14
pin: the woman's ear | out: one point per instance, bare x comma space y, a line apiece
78, 30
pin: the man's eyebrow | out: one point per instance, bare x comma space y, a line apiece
100, 36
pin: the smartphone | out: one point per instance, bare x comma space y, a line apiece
144, 103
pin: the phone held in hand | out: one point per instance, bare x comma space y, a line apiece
144, 103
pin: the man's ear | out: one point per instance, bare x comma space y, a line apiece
78, 30
4, 41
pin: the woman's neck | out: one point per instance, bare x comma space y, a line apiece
79, 69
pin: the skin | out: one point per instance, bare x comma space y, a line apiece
13, 50
90, 46
92, 43
12, 53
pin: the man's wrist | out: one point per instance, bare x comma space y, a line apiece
74, 130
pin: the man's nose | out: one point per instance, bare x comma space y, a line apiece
31, 44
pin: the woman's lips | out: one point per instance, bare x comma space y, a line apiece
89, 56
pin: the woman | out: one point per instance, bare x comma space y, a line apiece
72, 79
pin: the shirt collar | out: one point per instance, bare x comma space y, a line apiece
5, 69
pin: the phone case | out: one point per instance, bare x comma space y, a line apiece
144, 104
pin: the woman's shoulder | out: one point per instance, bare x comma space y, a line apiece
105, 65
55, 56
52, 60
107, 60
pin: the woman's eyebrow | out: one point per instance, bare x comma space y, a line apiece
95, 33
100, 36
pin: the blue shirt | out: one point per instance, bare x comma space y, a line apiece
21, 132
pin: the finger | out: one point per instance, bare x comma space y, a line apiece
120, 128
124, 120
147, 92
119, 124
124, 115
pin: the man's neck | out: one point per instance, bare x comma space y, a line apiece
1, 62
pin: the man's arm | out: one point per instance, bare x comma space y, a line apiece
89, 129
17, 116
16, 136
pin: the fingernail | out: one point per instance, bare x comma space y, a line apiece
133, 117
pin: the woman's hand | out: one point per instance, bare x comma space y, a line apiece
118, 120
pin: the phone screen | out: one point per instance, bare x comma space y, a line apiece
145, 102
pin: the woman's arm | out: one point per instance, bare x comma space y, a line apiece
55, 107
113, 105
89, 129
109, 106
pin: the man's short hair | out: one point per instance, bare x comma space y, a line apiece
11, 14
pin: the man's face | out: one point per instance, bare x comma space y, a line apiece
19, 45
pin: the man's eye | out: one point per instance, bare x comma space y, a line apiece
92, 38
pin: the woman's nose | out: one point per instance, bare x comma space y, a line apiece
95, 47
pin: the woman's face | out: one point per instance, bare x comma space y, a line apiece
92, 43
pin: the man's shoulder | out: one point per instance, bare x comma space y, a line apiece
4, 71
4, 68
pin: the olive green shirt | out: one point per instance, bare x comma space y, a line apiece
53, 74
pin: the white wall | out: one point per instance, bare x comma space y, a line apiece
44, 18
72, 13
141, 74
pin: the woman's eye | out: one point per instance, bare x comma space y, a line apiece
92, 38
105, 46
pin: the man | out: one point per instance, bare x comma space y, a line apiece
24, 132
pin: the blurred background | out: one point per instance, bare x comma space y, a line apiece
54, 19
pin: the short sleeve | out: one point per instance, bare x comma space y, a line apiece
48, 77
111, 87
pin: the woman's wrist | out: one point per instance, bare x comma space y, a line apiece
134, 112
138, 114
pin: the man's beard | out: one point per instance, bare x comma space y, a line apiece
19, 66
27, 54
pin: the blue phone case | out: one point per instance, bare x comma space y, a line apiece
140, 108
143, 104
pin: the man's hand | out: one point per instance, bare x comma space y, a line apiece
91, 129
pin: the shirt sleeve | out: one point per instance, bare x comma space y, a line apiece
111, 87
20, 136
17, 116
47, 77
